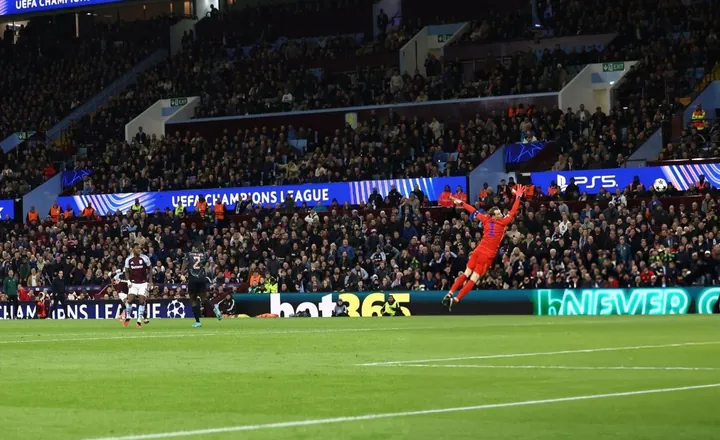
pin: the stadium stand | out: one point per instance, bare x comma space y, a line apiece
38, 91
566, 240
49, 71
627, 240
585, 138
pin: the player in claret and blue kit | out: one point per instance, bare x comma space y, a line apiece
494, 226
197, 282
138, 273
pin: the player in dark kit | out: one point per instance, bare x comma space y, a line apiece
197, 282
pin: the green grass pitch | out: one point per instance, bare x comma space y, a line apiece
96, 379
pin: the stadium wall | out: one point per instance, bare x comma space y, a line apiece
43, 197
649, 151
331, 119
492, 171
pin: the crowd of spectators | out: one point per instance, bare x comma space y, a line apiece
631, 239
49, 72
232, 82
384, 146
694, 144
675, 48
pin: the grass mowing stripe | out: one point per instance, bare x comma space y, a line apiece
222, 333
315, 422
169, 334
556, 367
541, 353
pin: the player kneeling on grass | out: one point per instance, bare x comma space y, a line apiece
197, 283
137, 271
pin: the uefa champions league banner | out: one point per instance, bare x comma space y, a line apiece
7, 209
544, 302
8, 7
103, 310
351, 192
590, 181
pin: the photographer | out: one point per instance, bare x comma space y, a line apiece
391, 307
340, 308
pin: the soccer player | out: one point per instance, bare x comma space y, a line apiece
494, 227
197, 282
137, 272
121, 285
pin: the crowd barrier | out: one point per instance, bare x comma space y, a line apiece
541, 302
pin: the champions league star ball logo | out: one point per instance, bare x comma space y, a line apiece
176, 309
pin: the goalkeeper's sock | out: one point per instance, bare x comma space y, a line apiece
467, 287
458, 283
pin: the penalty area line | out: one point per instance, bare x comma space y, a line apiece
368, 417
541, 353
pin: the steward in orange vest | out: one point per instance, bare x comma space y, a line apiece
219, 210
33, 216
201, 206
88, 212
444, 199
55, 212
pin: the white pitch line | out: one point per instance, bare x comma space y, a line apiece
556, 367
239, 333
167, 334
541, 353
327, 421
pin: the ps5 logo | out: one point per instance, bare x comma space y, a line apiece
588, 182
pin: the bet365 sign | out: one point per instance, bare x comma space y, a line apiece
361, 304
642, 301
